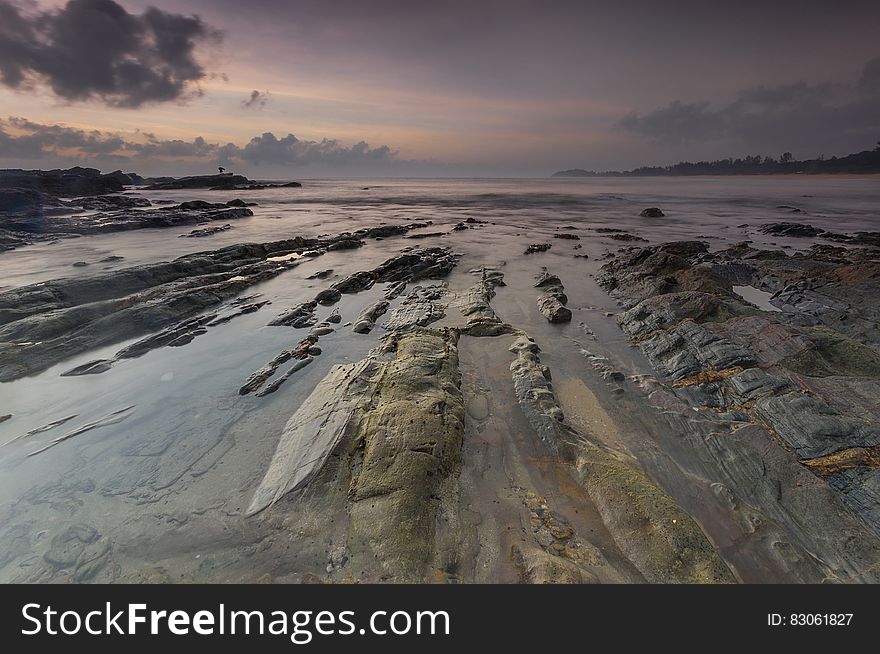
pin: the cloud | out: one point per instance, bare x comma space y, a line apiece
95, 49
869, 82
256, 100
291, 151
22, 139
33, 140
176, 148
783, 115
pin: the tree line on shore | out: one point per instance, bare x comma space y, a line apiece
867, 161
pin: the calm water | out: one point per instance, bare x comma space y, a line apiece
163, 490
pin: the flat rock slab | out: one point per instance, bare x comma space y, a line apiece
312, 432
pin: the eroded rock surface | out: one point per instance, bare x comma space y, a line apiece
44, 323
552, 300
657, 535
808, 374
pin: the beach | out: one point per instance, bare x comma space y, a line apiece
458, 381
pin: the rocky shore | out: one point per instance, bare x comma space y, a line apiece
43, 324
803, 376
550, 403
39, 206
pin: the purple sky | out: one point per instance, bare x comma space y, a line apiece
490, 88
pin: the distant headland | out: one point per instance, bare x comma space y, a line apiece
865, 162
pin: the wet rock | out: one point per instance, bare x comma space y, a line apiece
254, 187
627, 237
569, 237
259, 377
175, 336
538, 247
426, 235
782, 513
321, 274
808, 373
222, 181
811, 427
110, 202
302, 315
367, 319
421, 307
114, 219
791, 229
551, 303
411, 265
690, 347
328, 296
654, 532
109, 419
396, 421
345, 244
207, 231
64, 317
411, 438
239, 307
297, 365
313, 432
355, 282
535, 566
41, 429
394, 290
651, 212
334, 317
416, 264
91, 368
71, 182
475, 305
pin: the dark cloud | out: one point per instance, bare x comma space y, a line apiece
291, 151
785, 115
96, 49
256, 100
155, 147
22, 139
32, 140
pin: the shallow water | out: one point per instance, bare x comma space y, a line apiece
756, 296
165, 487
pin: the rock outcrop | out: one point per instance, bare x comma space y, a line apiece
223, 180
397, 419
808, 374
552, 300
43, 324
68, 183
655, 533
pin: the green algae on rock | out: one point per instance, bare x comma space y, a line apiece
655, 533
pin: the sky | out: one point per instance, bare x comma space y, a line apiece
308, 88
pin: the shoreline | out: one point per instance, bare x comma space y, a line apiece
569, 392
